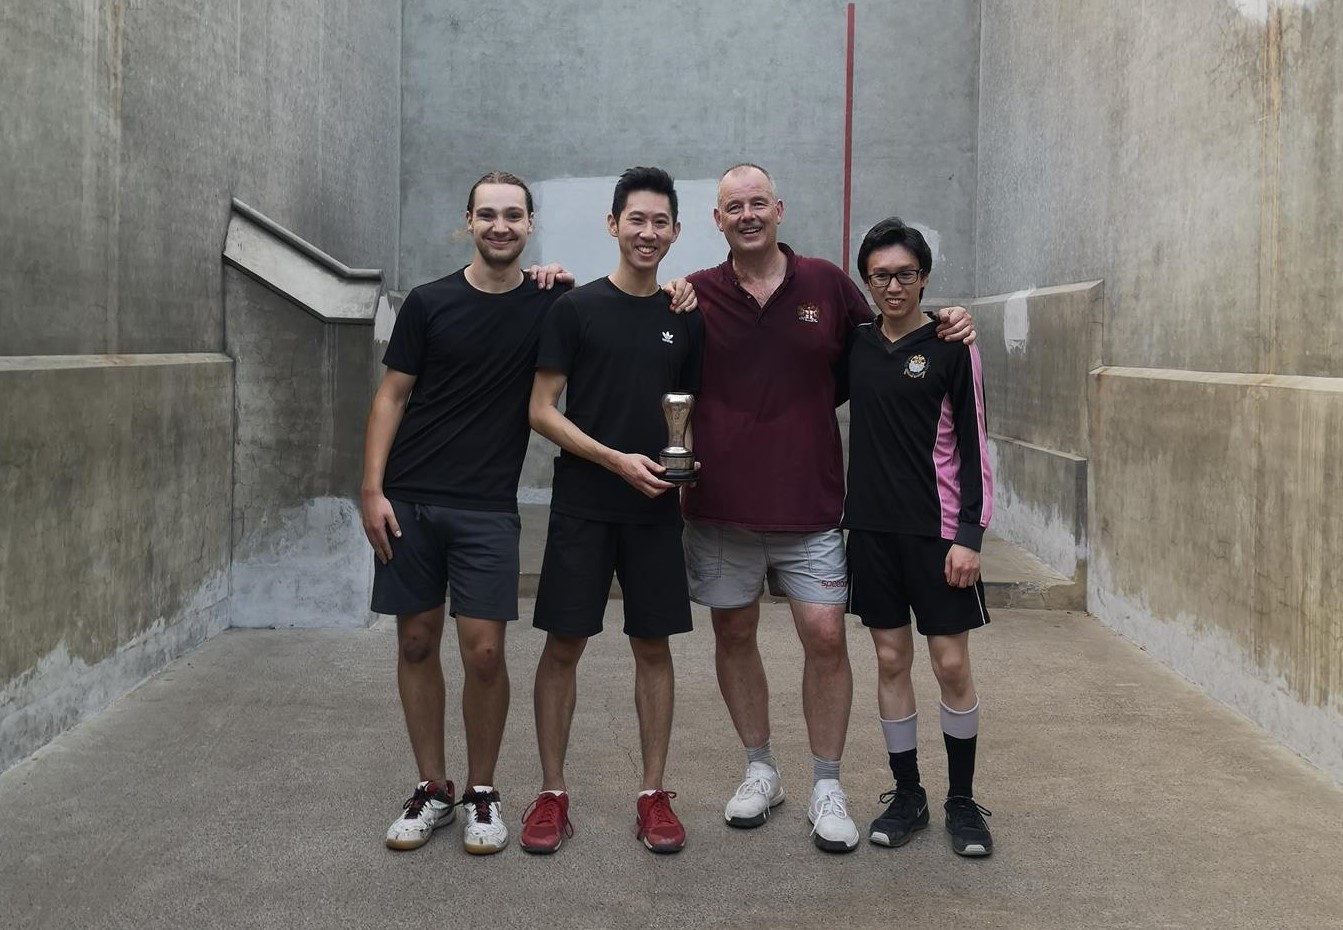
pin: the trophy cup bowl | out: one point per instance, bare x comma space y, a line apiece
676, 458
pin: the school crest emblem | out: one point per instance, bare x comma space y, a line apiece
916, 367
809, 313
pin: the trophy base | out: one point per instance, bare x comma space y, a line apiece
680, 468
680, 475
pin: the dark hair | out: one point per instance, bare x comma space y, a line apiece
893, 231
654, 180
500, 177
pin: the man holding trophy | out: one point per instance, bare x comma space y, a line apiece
630, 368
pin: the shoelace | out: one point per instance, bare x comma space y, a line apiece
967, 807
659, 812
546, 811
415, 803
758, 784
481, 801
833, 803
913, 800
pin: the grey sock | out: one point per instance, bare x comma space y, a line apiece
901, 735
762, 753
823, 768
960, 724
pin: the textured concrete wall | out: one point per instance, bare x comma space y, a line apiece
126, 125
585, 90
1038, 347
1185, 153
300, 327
115, 478
1217, 538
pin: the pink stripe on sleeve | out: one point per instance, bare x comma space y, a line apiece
986, 473
947, 465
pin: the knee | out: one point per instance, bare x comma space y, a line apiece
564, 650
483, 660
828, 645
952, 670
652, 653
894, 662
734, 635
416, 648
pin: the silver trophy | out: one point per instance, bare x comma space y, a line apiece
676, 458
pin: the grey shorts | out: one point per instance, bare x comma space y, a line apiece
471, 555
727, 567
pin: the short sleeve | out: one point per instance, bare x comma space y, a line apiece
559, 337
406, 349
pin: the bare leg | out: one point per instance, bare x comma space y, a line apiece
554, 697
419, 678
484, 694
827, 679
895, 659
951, 665
654, 697
741, 672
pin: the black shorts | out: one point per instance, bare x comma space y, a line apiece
581, 558
890, 573
470, 554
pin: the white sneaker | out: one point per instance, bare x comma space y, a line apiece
485, 831
760, 791
430, 807
832, 829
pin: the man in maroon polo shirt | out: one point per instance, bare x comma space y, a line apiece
771, 492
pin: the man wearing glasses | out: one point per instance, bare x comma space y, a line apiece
771, 491
920, 495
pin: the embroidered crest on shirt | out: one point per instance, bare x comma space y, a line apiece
666, 337
809, 313
916, 367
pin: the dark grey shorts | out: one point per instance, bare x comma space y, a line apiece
468, 558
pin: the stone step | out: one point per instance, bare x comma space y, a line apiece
1012, 576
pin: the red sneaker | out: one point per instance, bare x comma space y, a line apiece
659, 827
545, 823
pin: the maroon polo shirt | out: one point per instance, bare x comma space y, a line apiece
765, 432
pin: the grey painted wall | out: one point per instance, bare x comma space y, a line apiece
126, 125
1185, 153
586, 89
1188, 154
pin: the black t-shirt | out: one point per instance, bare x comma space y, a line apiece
620, 354
464, 433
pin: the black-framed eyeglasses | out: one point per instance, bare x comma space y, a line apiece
883, 278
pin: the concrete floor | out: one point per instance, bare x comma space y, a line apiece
249, 785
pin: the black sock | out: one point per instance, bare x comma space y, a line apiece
905, 768
960, 766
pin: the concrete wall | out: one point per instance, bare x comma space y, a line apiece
584, 90
1038, 347
1188, 156
115, 478
1185, 153
125, 127
300, 328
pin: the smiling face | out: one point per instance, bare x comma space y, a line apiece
898, 303
499, 223
645, 230
748, 212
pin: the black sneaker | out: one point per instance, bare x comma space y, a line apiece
969, 833
907, 813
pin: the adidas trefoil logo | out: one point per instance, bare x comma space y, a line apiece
667, 337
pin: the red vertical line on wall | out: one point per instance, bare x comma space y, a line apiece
848, 133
